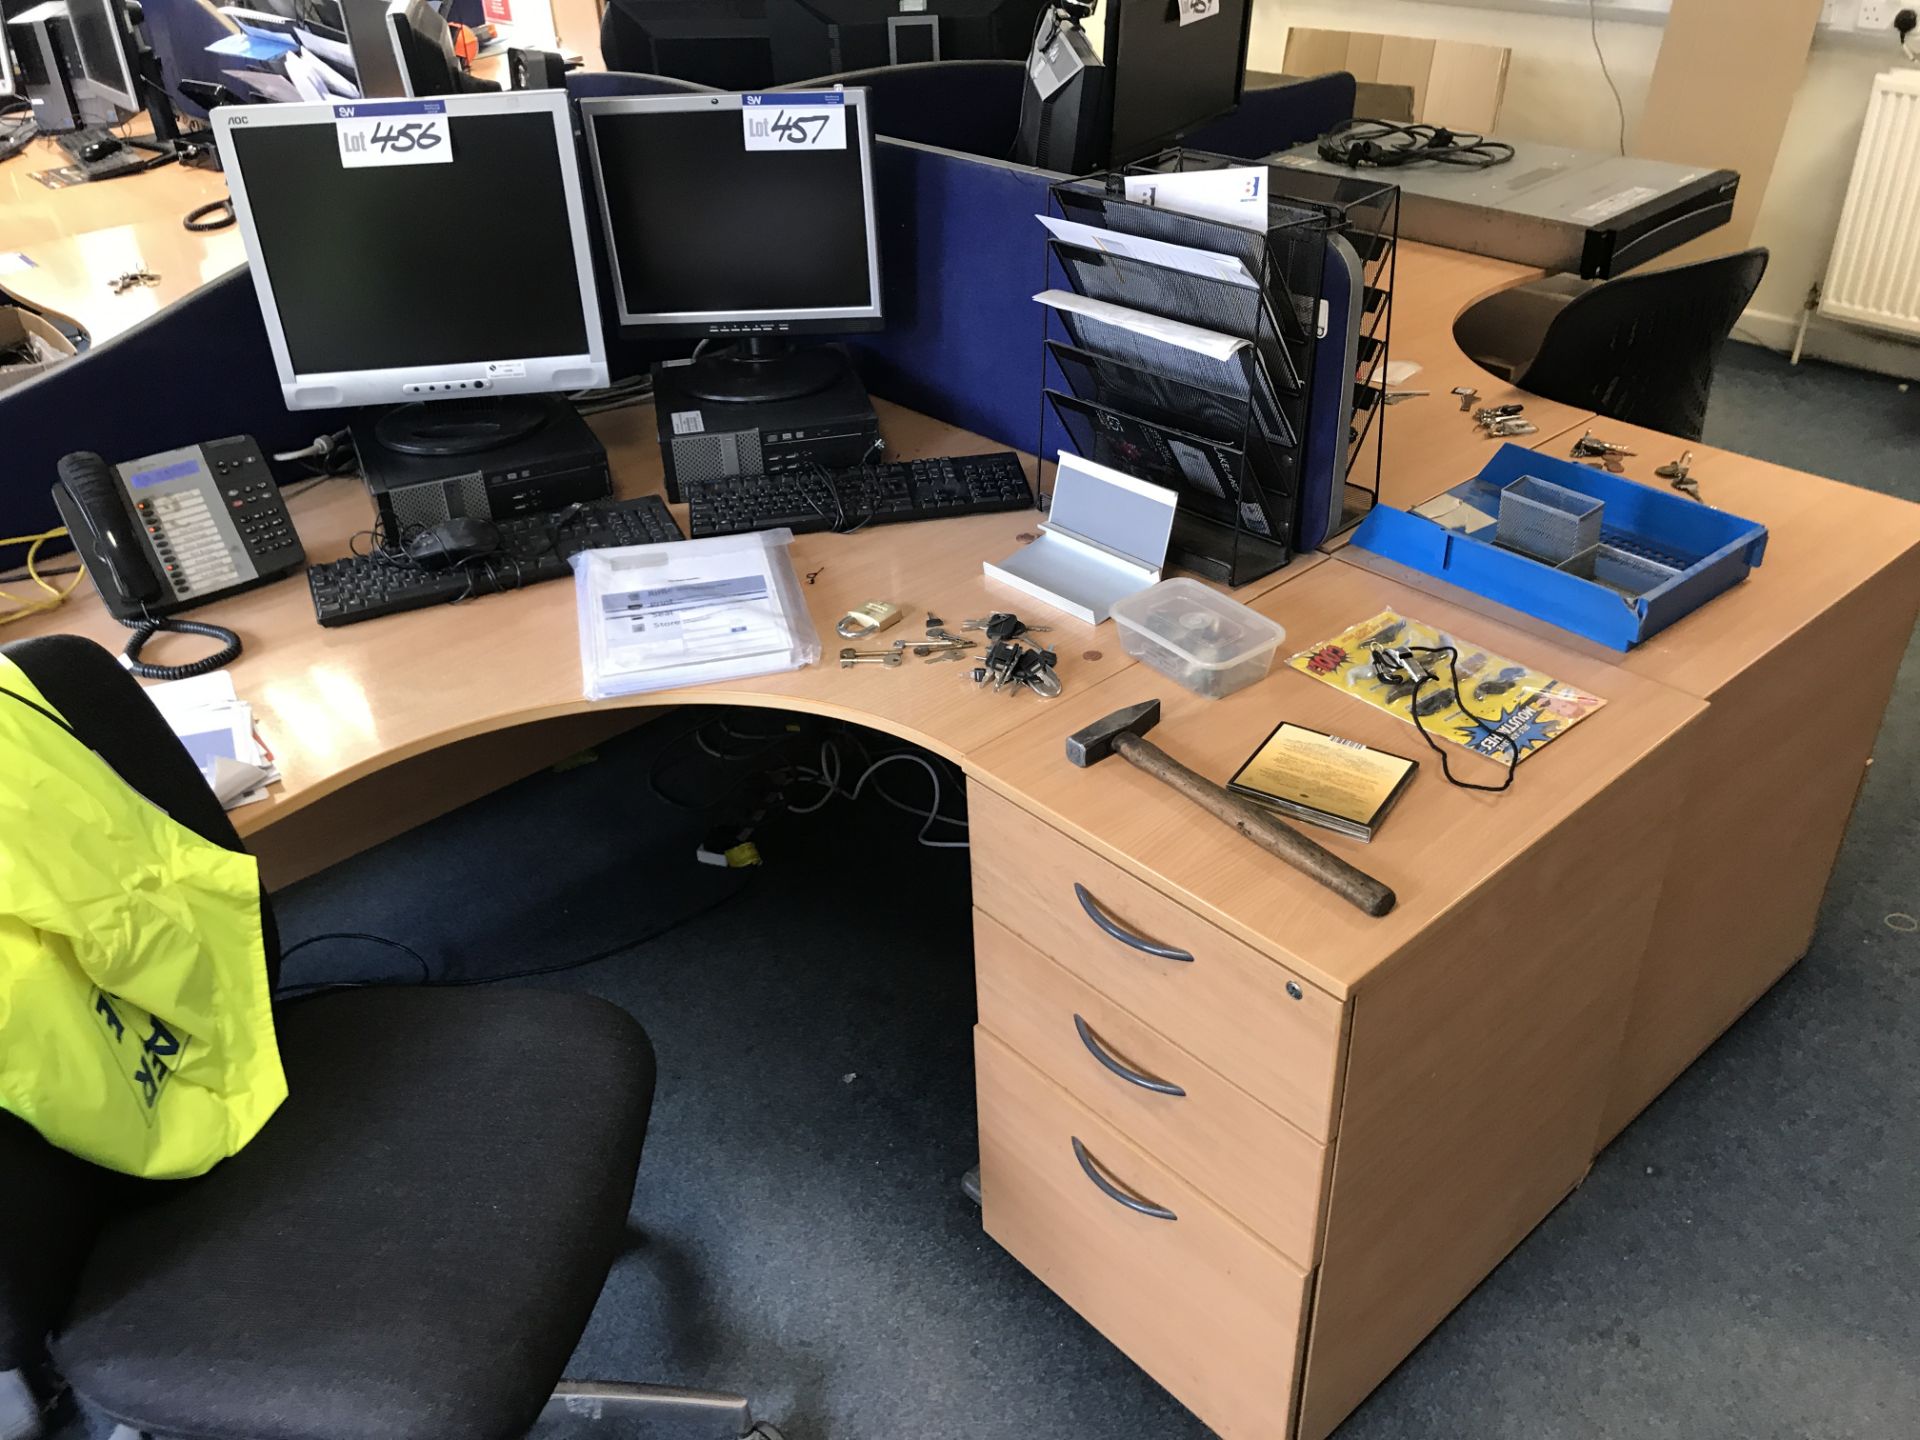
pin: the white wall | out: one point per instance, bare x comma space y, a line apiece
1555, 93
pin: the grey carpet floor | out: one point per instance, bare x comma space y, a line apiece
1742, 1264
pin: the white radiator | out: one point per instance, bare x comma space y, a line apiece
1874, 276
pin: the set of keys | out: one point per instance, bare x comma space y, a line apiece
1009, 662
1005, 625
1595, 451
1500, 422
1677, 473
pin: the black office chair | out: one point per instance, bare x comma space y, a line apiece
1642, 348
972, 106
408, 1250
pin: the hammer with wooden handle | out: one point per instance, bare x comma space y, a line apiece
1123, 733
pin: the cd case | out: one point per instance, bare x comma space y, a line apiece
1340, 785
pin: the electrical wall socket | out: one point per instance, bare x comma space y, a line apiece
1877, 14
1836, 13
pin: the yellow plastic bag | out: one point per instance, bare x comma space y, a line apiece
136, 1028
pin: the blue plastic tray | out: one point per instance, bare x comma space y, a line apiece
1711, 550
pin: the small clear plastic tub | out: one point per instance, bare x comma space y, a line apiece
1197, 637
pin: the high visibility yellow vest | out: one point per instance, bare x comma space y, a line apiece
136, 1028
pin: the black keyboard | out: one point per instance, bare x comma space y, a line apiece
128, 159
532, 548
848, 499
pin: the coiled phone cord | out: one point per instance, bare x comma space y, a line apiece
146, 627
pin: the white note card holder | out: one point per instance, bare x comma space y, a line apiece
1104, 539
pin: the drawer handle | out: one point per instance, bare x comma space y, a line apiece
1126, 937
1114, 1192
1125, 1072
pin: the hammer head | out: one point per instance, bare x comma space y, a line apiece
1084, 747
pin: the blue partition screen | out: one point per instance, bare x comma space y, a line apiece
961, 259
199, 370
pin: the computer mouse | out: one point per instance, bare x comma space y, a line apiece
102, 148
453, 542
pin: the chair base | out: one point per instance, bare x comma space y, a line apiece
646, 1412
20, 1411
578, 1407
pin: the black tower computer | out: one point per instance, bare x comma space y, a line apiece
83, 70
1063, 115
1163, 70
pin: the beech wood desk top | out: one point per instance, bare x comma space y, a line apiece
1826, 539
31, 215
1441, 842
339, 704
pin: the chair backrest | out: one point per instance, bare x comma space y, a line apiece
51, 1203
972, 106
1642, 348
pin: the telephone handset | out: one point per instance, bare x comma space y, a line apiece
177, 529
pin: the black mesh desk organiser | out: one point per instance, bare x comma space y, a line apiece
1266, 458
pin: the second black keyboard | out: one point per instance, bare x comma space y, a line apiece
848, 499
532, 548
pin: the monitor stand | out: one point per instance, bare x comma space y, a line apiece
465, 427
764, 368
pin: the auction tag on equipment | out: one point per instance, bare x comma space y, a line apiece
1192, 10
802, 120
393, 132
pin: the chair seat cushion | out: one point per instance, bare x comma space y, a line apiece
410, 1248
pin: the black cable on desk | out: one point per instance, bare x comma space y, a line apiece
1362, 143
214, 215
1420, 679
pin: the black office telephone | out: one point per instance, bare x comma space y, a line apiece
177, 529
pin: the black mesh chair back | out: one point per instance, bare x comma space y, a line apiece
1641, 349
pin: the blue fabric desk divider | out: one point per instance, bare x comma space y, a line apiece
1278, 117
1705, 551
201, 369
961, 258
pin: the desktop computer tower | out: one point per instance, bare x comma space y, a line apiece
834, 428
44, 48
1064, 116
561, 463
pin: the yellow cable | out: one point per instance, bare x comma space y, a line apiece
30, 605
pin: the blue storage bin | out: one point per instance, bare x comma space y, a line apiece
1683, 553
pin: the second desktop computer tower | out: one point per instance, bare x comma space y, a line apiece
834, 428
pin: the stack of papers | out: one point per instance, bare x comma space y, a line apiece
1210, 343
1208, 264
1236, 196
690, 612
217, 728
